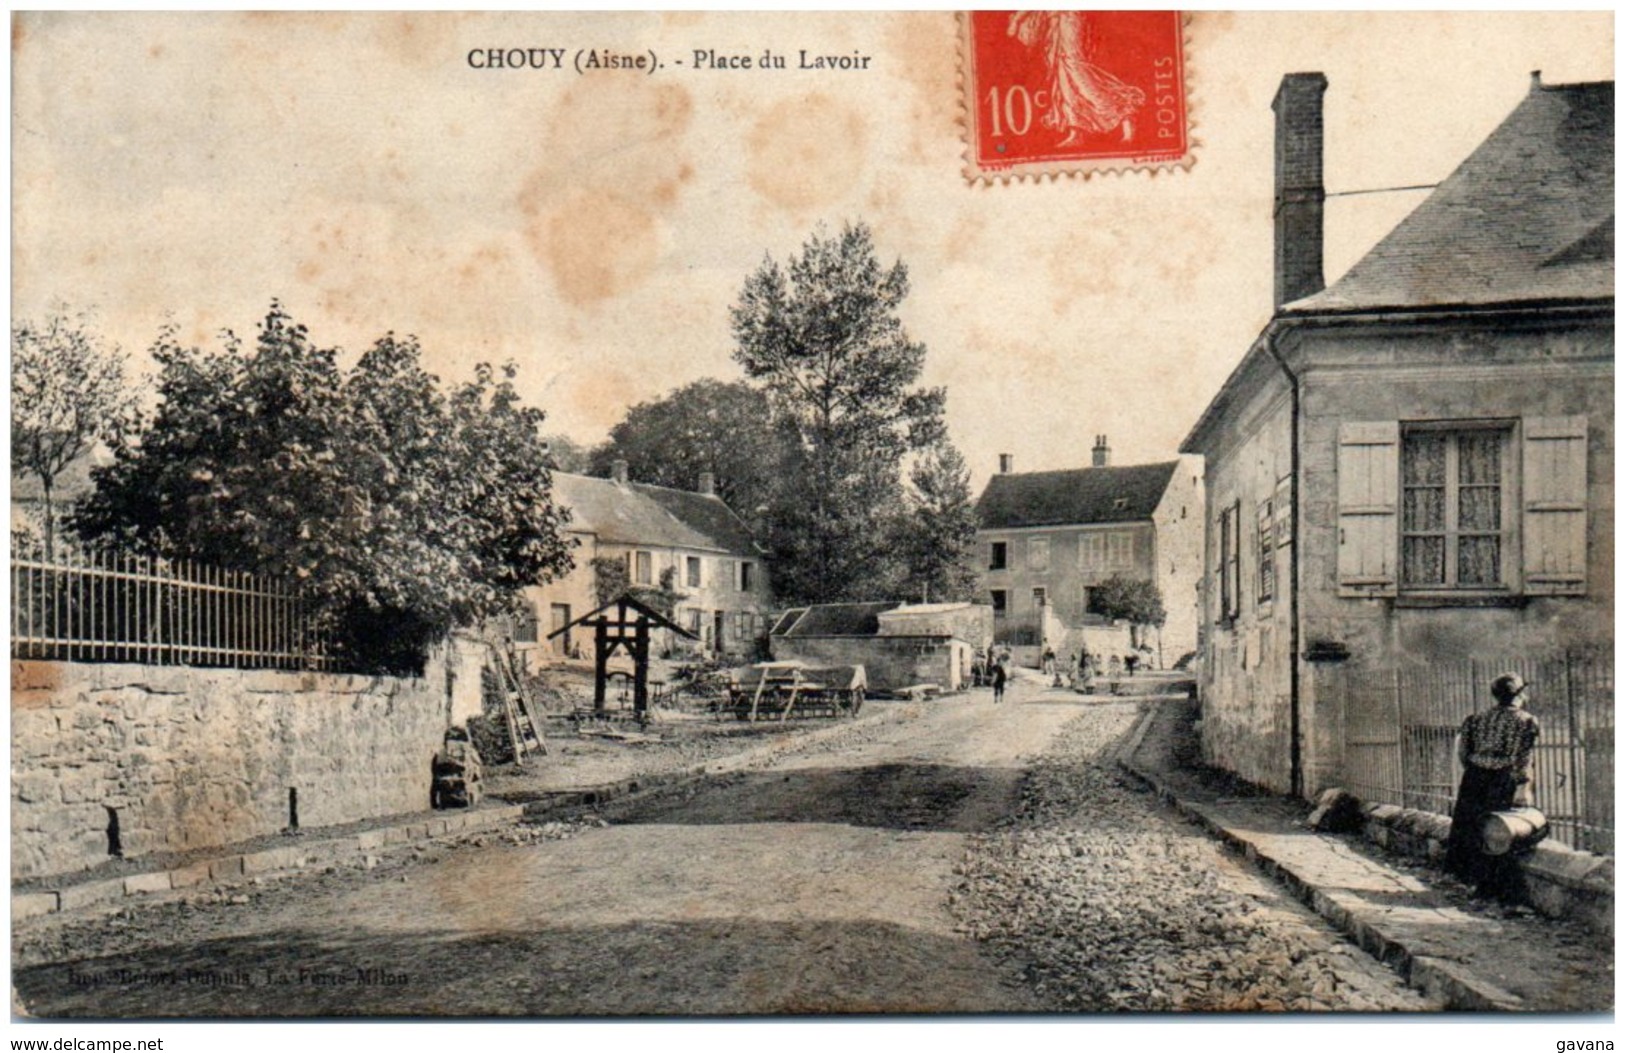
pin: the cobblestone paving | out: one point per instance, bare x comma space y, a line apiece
1109, 901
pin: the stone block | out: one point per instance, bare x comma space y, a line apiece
1560, 863
1382, 813
33, 904
72, 897
226, 868
187, 876
156, 881
371, 839
271, 859
36, 787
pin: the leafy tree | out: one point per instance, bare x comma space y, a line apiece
1137, 602
823, 336
724, 428
68, 391
564, 454
610, 579
402, 509
938, 532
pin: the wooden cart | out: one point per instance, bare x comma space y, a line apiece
790, 689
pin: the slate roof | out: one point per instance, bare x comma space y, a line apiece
836, 619
1528, 216
1073, 496
652, 516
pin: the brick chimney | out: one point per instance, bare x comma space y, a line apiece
617, 471
1300, 189
1102, 452
1006, 462
708, 484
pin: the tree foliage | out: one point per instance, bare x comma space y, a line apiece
68, 392
1138, 602
938, 532
823, 336
611, 580
564, 454
728, 429
402, 508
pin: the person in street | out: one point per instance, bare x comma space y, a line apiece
1496, 747
1049, 660
999, 677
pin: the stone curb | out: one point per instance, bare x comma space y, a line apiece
1434, 977
229, 868
234, 867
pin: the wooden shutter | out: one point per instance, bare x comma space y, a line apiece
1368, 508
1283, 512
1554, 506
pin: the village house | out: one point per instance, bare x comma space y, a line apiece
1412, 469
1046, 538
688, 541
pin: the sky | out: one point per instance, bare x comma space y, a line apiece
189, 168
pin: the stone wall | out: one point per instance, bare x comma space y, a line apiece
889, 662
184, 758
1555, 879
1246, 666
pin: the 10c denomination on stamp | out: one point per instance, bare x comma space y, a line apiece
1073, 92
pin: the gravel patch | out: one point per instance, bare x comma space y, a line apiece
1108, 901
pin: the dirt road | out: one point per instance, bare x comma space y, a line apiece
821, 884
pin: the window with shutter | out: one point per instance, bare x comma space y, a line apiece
1453, 523
1266, 550
1367, 508
1283, 512
1121, 544
1554, 506
1230, 562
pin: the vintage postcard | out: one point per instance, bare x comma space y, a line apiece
1020, 514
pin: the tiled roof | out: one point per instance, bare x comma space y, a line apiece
638, 514
1077, 495
837, 619
706, 513
1528, 216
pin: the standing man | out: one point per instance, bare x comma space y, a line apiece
999, 678
1496, 748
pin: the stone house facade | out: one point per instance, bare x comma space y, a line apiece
1046, 538
1415, 465
690, 538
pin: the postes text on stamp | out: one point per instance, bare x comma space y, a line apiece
1073, 92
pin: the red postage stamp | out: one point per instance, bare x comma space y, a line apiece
1074, 92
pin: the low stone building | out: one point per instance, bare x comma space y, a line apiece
899, 645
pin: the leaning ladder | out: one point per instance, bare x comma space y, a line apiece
524, 734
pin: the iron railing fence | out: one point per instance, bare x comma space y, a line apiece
117, 607
1400, 726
